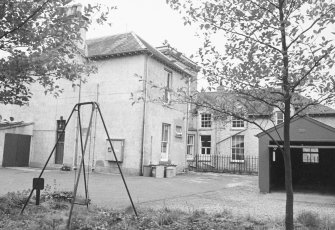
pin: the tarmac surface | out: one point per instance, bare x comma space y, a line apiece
192, 191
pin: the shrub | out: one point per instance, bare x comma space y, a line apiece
309, 219
13, 200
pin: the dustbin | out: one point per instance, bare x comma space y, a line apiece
158, 171
147, 170
170, 171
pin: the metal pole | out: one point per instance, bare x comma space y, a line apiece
82, 165
118, 165
46, 163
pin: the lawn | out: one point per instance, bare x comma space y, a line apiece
54, 210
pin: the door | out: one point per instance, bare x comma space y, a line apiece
205, 147
61, 139
165, 143
16, 150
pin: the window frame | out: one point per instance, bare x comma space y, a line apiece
206, 147
235, 119
191, 145
205, 121
310, 152
233, 149
168, 86
167, 141
276, 117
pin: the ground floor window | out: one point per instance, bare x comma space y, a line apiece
237, 149
206, 144
59, 155
190, 145
310, 155
165, 141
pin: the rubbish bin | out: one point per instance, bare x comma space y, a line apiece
158, 171
147, 170
170, 171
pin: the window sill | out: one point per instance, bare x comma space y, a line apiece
237, 161
237, 128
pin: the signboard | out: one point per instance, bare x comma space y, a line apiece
118, 145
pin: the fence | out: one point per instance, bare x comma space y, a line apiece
223, 163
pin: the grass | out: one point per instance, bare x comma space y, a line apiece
54, 210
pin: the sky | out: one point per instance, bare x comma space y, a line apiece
152, 20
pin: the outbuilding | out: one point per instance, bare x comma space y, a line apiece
15, 142
312, 156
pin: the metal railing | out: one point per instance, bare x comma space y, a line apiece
223, 164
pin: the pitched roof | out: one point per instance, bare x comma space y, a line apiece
296, 119
259, 108
124, 45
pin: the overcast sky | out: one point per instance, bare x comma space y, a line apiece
153, 20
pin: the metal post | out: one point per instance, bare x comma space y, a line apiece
118, 165
46, 163
82, 165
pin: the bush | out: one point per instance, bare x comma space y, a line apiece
309, 219
13, 201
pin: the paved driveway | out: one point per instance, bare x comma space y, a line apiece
208, 191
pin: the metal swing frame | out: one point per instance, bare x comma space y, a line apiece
77, 107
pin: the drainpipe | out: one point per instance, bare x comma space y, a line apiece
75, 160
144, 111
187, 118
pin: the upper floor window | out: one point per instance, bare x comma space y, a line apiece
168, 86
237, 123
279, 117
206, 120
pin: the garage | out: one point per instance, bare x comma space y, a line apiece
16, 150
312, 156
15, 143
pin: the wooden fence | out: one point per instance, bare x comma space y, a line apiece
223, 163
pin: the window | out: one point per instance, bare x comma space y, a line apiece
206, 144
179, 131
190, 144
310, 155
206, 120
165, 142
168, 87
279, 118
61, 139
237, 148
237, 123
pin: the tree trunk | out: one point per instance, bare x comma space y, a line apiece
288, 168
289, 225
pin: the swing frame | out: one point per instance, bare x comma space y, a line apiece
77, 107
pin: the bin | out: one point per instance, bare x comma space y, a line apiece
147, 170
158, 171
170, 171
